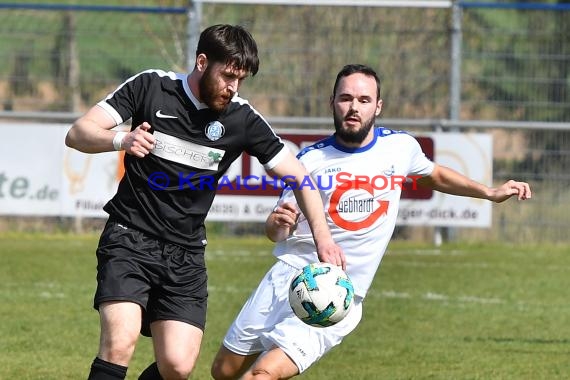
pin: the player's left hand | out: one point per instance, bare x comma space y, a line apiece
286, 215
510, 188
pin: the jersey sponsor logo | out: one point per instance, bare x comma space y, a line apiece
185, 152
214, 130
332, 170
354, 207
161, 115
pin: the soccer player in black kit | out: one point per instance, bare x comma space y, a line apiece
151, 275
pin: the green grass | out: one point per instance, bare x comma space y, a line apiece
474, 311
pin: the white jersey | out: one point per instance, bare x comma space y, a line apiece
361, 191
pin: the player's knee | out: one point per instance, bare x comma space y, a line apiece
263, 374
220, 371
176, 367
175, 371
117, 350
216, 371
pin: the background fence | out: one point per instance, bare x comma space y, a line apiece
499, 68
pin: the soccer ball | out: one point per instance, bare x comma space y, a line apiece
321, 294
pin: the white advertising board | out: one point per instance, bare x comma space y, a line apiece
469, 154
30, 170
40, 176
88, 182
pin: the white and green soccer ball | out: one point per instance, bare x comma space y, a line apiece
321, 294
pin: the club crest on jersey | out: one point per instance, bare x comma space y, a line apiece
215, 130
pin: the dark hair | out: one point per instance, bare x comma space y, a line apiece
357, 68
231, 45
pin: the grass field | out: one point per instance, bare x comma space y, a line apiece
459, 312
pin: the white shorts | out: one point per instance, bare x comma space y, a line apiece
266, 320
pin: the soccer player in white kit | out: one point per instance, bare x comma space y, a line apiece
359, 170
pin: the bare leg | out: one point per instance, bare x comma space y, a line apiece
176, 348
120, 328
228, 365
272, 365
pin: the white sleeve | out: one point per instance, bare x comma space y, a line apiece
287, 196
419, 163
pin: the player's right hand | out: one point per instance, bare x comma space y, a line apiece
139, 142
330, 252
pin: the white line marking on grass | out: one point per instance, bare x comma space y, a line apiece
51, 295
50, 285
229, 289
437, 297
421, 264
237, 253
428, 252
394, 294
464, 299
472, 299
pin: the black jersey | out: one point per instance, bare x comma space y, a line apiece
168, 192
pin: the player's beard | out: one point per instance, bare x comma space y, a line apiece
350, 135
210, 94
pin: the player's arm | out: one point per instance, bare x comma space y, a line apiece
92, 133
449, 181
310, 202
281, 222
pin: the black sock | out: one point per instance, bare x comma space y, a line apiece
102, 370
151, 373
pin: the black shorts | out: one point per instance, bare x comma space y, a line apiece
169, 282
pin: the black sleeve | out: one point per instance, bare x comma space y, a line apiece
263, 143
127, 98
